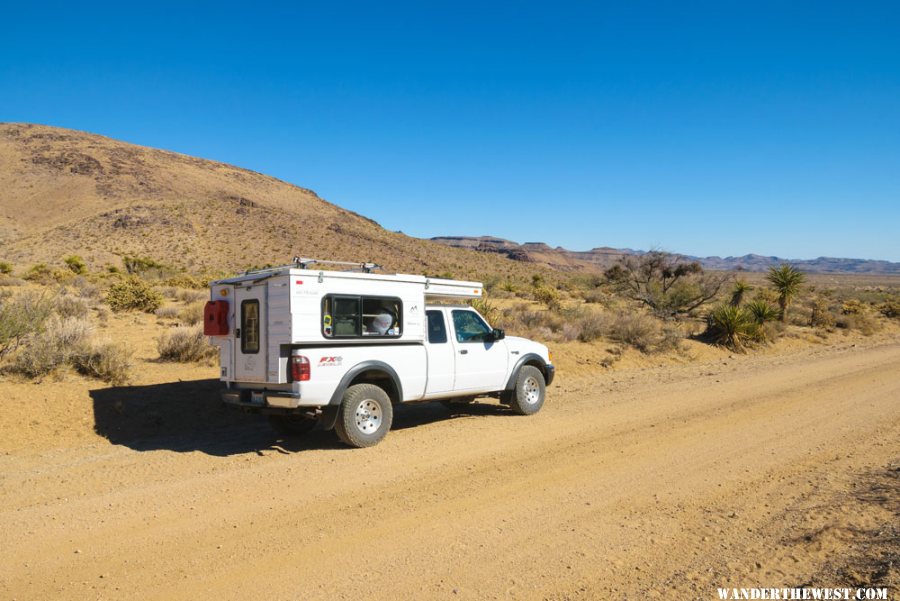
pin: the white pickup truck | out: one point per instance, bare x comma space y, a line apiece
334, 349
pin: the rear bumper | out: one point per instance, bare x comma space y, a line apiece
260, 399
549, 373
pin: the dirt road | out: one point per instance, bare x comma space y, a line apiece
748, 471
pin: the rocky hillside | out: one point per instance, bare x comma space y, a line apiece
66, 192
599, 259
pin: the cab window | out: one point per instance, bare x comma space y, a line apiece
469, 326
437, 331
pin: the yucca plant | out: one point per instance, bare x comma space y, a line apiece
741, 287
732, 326
761, 311
787, 281
486, 308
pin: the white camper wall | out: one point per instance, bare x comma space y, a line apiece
278, 321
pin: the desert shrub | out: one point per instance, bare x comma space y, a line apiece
133, 294
593, 326
185, 281
643, 332
54, 346
39, 273
547, 296
598, 297
6, 268
766, 295
863, 322
192, 314
67, 305
10, 281
852, 307
522, 320
140, 265
76, 264
167, 312
85, 288
191, 296
733, 327
185, 345
21, 317
107, 361
890, 309
820, 315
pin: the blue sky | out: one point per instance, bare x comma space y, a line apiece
710, 128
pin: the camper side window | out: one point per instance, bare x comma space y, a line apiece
361, 316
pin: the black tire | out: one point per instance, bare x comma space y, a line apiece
365, 416
528, 397
292, 425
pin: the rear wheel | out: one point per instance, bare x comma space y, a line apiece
528, 397
365, 416
292, 425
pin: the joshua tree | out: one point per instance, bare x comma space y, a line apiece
741, 287
786, 280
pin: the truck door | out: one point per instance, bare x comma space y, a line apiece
441, 354
480, 363
250, 333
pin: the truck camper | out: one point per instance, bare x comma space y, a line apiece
337, 349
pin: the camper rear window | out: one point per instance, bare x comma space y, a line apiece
250, 327
361, 316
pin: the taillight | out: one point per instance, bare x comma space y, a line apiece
299, 368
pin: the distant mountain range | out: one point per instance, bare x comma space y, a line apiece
599, 259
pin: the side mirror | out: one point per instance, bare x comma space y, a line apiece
498, 334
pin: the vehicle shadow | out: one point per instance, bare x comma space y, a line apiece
418, 414
187, 416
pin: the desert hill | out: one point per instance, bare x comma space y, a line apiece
67, 192
598, 259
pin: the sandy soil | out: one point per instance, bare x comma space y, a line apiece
776, 469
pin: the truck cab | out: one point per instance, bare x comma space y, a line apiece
329, 349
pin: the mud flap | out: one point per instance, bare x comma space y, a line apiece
328, 418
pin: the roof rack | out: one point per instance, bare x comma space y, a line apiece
305, 262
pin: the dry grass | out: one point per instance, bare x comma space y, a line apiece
107, 361
56, 345
185, 345
192, 314
167, 312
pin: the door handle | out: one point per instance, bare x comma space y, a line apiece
237, 333
463, 352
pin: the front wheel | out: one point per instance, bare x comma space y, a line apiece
528, 397
365, 416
